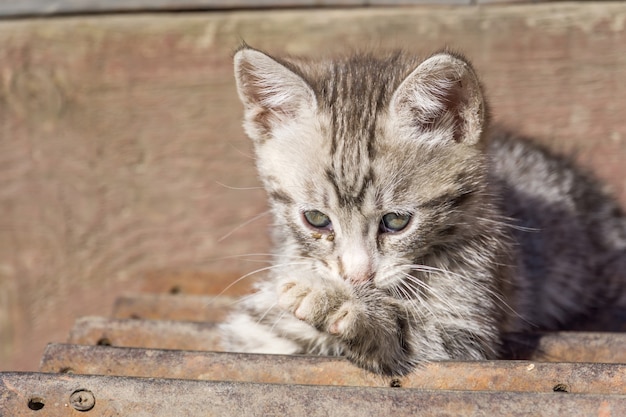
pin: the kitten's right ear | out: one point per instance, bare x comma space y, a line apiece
270, 92
442, 100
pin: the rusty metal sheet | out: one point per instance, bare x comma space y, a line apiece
54, 395
598, 378
161, 334
165, 334
572, 347
173, 307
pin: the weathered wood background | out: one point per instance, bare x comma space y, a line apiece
23, 8
121, 149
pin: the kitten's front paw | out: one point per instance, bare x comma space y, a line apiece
344, 321
291, 295
323, 305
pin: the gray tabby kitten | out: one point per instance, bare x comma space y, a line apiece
405, 231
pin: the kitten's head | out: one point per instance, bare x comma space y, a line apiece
372, 165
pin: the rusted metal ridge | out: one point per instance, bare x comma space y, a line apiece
167, 334
28, 394
596, 378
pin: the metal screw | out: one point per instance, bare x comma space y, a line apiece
82, 400
395, 383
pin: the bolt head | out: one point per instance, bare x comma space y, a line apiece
82, 400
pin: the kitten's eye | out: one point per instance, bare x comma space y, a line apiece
317, 219
394, 222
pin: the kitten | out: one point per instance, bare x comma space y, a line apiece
404, 230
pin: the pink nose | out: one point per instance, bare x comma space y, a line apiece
361, 278
358, 272
357, 266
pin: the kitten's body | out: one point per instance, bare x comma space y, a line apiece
404, 231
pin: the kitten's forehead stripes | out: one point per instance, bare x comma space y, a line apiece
450, 200
280, 196
350, 196
354, 92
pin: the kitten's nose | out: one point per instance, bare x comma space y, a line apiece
357, 266
360, 278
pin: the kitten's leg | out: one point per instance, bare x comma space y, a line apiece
368, 323
243, 333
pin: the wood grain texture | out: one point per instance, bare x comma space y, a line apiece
23, 8
121, 149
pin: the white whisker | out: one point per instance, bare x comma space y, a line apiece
432, 290
256, 271
243, 257
237, 188
468, 280
278, 319
238, 300
259, 254
510, 225
436, 316
247, 222
411, 308
270, 308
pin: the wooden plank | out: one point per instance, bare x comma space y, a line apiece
123, 150
55, 395
24, 8
173, 307
160, 334
596, 378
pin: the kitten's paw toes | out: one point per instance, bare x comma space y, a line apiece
313, 307
291, 294
306, 303
328, 308
343, 321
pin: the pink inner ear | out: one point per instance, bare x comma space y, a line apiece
450, 112
255, 95
443, 94
454, 102
270, 91
249, 82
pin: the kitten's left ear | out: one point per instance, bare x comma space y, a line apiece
271, 93
443, 97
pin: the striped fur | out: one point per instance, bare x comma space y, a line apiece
363, 136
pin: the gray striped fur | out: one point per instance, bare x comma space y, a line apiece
503, 235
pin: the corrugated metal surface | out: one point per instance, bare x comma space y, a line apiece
528, 376
161, 365
173, 307
169, 334
122, 396
162, 334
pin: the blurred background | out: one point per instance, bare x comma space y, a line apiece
121, 149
